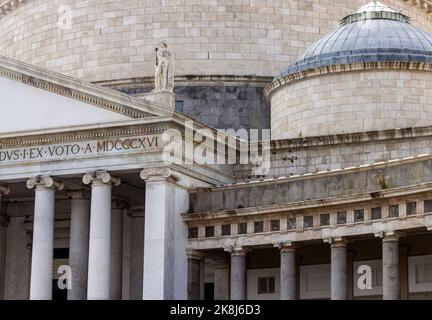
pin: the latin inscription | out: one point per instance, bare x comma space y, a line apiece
94, 147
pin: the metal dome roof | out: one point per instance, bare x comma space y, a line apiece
374, 33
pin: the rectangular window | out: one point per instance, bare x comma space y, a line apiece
258, 226
193, 233
179, 105
291, 223
393, 211
209, 231
275, 225
266, 285
324, 219
359, 215
376, 213
307, 222
341, 217
428, 206
411, 208
242, 228
226, 229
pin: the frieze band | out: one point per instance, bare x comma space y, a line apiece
53, 152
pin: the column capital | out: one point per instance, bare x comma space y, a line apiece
101, 177
286, 246
83, 193
4, 190
155, 174
237, 250
44, 182
195, 254
119, 204
389, 236
136, 212
4, 221
336, 242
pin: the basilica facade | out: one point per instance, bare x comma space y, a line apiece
215, 150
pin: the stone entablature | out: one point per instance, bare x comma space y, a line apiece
368, 178
323, 153
362, 215
63, 150
277, 83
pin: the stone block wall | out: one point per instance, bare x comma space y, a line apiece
301, 156
116, 39
352, 102
221, 107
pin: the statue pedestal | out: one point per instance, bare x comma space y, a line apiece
163, 98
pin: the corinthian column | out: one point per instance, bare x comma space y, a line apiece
98, 285
3, 237
43, 237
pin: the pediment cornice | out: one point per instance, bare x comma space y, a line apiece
76, 89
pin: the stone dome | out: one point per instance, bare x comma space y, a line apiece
373, 73
374, 33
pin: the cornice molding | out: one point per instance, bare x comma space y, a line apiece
82, 91
279, 83
74, 94
189, 81
316, 175
322, 204
355, 137
425, 5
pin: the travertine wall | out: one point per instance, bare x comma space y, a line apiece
352, 102
115, 39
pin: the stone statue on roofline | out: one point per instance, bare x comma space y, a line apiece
164, 74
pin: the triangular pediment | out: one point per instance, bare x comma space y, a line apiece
32, 98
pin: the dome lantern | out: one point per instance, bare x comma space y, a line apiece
375, 10
374, 33
373, 73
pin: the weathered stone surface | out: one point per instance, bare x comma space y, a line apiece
355, 101
311, 187
116, 40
